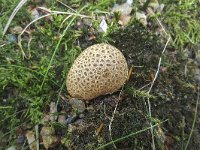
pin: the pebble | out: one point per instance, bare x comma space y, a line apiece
141, 17
62, 118
77, 104
71, 119
124, 9
11, 38
20, 139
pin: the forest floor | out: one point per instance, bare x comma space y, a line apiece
156, 108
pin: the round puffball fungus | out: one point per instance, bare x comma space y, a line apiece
100, 69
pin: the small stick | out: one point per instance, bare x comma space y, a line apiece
112, 118
99, 129
130, 72
155, 77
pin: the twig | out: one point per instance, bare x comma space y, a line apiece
155, 77
20, 4
152, 83
29, 49
112, 118
110, 125
159, 63
144, 86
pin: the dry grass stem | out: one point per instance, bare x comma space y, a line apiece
113, 115
155, 77
66, 6
35, 20
17, 8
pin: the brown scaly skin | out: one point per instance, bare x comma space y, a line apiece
98, 70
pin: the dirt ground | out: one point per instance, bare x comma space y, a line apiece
174, 98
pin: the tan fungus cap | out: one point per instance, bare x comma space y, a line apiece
98, 70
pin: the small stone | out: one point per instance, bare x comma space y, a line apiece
11, 38
34, 13
71, 119
77, 104
47, 131
124, 9
124, 20
81, 116
62, 118
142, 18
45, 119
48, 137
20, 139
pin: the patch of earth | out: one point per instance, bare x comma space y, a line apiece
174, 99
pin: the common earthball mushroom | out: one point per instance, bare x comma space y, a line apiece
100, 69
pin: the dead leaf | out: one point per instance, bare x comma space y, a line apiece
31, 140
92, 37
124, 20
168, 141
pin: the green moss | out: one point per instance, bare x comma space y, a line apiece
182, 20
